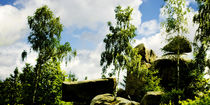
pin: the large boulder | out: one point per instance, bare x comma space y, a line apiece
85, 91
178, 43
152, 98
108, 99
168, 72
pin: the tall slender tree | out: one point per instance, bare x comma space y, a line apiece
118, 42
45, 38
175, 26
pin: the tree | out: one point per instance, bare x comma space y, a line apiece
49, 89
72, 77
201, 44
202, 37
140, 77
175, 25
11, 89
45, 39
27, 81
118, 42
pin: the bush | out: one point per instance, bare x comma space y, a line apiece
202, 100
172, 97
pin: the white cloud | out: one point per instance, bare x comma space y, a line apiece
86, 63
149, 27
92, 14
13, 24
10, 58
73, 13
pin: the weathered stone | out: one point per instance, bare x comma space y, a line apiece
108, 99
174, 45
85, 91
168, 72
152, 98
148, 55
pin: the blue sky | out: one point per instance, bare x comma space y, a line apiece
7, 2
85, 27
151, 9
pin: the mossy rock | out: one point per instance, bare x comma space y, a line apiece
152, 98
180, 43
108, 99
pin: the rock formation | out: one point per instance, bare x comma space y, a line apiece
148, 55
108, 99
85, 91
168, 72
134, 83
152, 98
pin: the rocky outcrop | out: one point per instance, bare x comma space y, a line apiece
148, 55
108, 99
178, 43
85, 91
152, 98
168, 72
134, 83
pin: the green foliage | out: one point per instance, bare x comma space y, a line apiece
147, 76
45, 36
202, 18
175, 11
40, 84
172, 97
46, 30
197, 85
18, 88
24, 55
152, 81
147, 79
202, 100
65, 103
27, 81
45, 39
11, 89
49, 89
71, 77
118, 42
202, 38
201, 46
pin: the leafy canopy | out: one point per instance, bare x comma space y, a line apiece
45, 36
45, 39
118, 42
175, 11
202, 37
